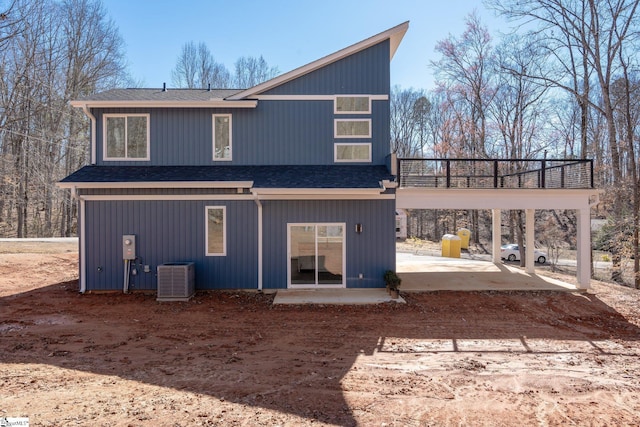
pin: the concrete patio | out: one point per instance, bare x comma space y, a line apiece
433, 273
423, 273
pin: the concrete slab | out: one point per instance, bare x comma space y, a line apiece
334, 296
431, 273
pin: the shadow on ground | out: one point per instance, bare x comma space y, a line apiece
292, 359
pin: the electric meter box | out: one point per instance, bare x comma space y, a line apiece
129, 246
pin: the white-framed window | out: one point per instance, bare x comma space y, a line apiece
126, 137
222, 137
354, 152
216, 230
352, 105
352, 128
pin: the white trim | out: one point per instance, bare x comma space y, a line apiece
317, 97
158, 184
494, 198
344, 255
126, 124
386, 184
214, 103
213, 138
92, 118
319, 191
83, 247
335, 129
394, 35
260, 242
335, 104
224, 231
335, 152
352, 196
229, 197
135, 197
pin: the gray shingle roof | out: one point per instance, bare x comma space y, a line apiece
160, 95
304, 176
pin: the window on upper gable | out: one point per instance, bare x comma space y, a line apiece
126, 137
222, 137
356, 152
216, 238
352, 105
352, 128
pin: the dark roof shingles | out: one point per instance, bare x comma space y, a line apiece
303, 176
179, 95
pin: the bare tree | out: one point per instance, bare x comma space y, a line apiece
196, 68
409, 110
465, 73
251, 71
587, 38
62, 51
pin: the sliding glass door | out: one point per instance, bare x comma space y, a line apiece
316, 255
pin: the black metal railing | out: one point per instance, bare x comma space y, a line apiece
495, 173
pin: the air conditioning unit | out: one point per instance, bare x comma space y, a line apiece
176, 281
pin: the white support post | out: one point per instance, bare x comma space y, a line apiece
530, 241
496, 234
583, 270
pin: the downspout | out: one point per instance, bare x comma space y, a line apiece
85, 108
259, 204
81, 240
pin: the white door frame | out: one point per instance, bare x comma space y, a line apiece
344, 255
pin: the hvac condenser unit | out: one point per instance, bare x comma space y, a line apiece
176, 281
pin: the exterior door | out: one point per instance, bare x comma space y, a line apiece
316, 255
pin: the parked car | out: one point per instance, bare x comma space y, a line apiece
511, 252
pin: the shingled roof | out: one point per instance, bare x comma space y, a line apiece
304, 176
133, 94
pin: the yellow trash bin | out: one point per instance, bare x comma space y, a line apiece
464, 234
451, 246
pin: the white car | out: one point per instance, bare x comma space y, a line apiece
511, 252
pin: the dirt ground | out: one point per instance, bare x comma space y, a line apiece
233, 359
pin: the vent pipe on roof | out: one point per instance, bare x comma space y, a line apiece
164, 87
209, 87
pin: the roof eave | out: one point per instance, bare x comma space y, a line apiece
214, 103
156, 184
395, 35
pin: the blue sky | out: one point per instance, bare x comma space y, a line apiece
288, 33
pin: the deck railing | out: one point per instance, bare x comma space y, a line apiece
495, 173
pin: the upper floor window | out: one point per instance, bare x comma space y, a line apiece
222, 137
352, 128
352, 105
357, 152
126, 136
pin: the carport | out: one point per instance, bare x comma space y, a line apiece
497, 185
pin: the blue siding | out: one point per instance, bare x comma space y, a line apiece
169, 231
275, 132
366, 71
370, 253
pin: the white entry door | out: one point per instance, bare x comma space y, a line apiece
316, 255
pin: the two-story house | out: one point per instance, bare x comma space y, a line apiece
283, 185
